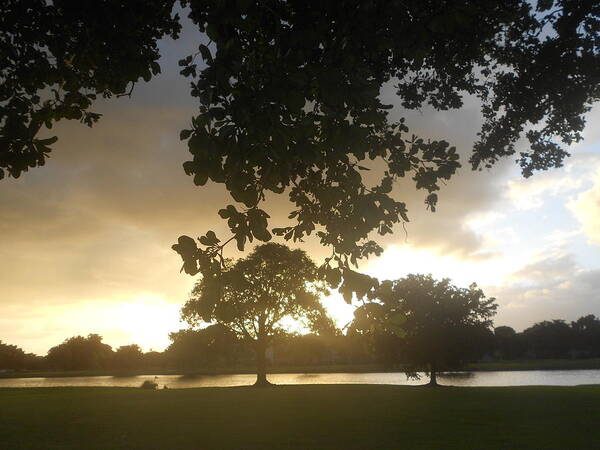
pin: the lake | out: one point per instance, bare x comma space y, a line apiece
496, 378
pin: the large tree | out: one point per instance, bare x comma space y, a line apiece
508, 343
210, 346
437, 325
587, 335
289, 97
128, 357
550, 339
11, 357
81, 353
258, 296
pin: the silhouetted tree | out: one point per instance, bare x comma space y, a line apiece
587, 335
380, 334
128, 357
307, 349
11, 357
14, 358
439, 325
153, 359
205, 347
550, 339
80, 353
508, 343
255, 296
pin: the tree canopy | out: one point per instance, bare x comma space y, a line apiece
289, 98
14, 358
551, 338
128, 357
57, 58
437, 325
257, 297
201, 348
80, 353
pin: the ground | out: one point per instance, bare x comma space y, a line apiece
301, 417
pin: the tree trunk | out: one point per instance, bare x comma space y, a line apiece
432, 375
261, 364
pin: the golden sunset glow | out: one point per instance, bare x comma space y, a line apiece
148, 320
101, 226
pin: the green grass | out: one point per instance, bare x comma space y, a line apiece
301, 417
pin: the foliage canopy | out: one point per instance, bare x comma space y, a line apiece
79, 353
437, 325
289, 97
257, 295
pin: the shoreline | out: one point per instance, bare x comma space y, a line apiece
500, 366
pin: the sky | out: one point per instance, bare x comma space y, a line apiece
85, 241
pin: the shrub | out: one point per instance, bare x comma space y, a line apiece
149, 384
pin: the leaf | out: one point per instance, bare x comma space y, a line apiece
333, 276
187, 249
262, 234
241, 241
544, 5
185, 61
209, 239
184, 134
212, 237
48, 141
200, 179
189, 167
205, 52
217, 113
155, 67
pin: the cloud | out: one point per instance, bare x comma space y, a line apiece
534, 192
552, 287
531, 193
586, 208
467, 196
97, 222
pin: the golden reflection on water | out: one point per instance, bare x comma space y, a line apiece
500, 378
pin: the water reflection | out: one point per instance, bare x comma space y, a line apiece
457, 375
512, 378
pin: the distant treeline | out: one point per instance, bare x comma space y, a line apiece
216, 347
554, 339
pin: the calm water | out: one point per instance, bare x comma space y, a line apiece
508, 378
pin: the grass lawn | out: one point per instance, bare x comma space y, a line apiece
301, 417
